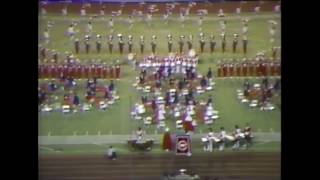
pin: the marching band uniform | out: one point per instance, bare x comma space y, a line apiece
130, 43
238, 69
219, 69
189, 41
167, 142
117, 71
141, 44
76, 46
231, 67
210, 140
244, 38
244, 68
222, 137
110, 43
202, 42
87, 43
98, 43
170, 42
112, 72
225, 70
121, 43
223, 42
153, 44
278, 68
234, 43
237, 135
181, 43
251, 68
212, 43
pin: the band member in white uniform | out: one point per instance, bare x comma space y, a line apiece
89, 28
222, 136
238, 136
182, 19
71, 32
111, 24
210, 140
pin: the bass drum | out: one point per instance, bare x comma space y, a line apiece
192, 53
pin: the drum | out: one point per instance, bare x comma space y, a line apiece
192, 53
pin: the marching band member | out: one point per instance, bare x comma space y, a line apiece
110, 43
248, 135
238, 136
141, 44
200, 22
71, 32
153, 44
89, 28
77, 45
223, 42
167, 144
222, 137
121, 43
111, 24
181, 43
234, 43
202, 42
98, 43
189, 41
210, 136
130, 22
212, 43
130, 43
87, 43
140, 134
170, 42
244, 37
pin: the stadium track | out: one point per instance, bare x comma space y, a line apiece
227, 166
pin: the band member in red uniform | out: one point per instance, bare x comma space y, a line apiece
272, 69
231, 69
264, 68
251, 68
82, 74
86, 71
49, 71
95, 71
117, 71
99, 69
78, 72
111, 72
258, 68
238, 69
104, 72
45, 71
60, 71
225, 69
70, 71
219, 69
54, 71
244, 68
167, 144
278, 68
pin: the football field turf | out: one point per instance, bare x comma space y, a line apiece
116, 119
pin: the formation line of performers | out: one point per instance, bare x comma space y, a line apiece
79, 71
248, 67
182, 43
239, 137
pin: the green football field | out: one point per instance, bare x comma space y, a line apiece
116, 120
